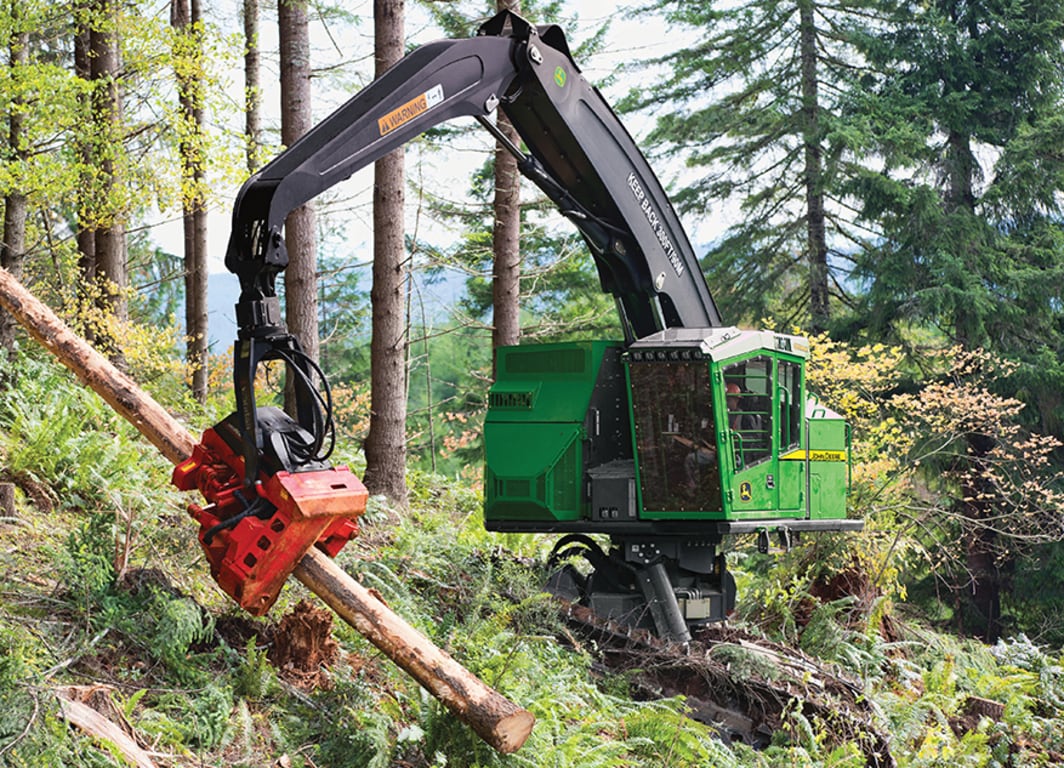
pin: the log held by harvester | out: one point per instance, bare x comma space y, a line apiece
498, 721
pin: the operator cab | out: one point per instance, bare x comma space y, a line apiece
680, 428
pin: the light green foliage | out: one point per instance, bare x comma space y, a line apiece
45, 411
87, 565
197, 719
47, 95
179, 624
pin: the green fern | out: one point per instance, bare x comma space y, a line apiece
255, 679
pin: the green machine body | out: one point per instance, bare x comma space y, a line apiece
700, 432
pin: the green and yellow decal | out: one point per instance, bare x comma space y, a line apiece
801, 455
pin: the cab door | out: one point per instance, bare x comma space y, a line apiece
747, 427
792, 465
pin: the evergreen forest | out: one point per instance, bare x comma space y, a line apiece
884, 177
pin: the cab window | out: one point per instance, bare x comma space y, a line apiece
790, 378
672, 408
748, 394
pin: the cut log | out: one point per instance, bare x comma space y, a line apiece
498, 721
502, 724
96, 372
74, 705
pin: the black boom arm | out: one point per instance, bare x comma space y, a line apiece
579, 154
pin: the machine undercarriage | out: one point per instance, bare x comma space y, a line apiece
666, 585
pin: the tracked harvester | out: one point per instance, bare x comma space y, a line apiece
665, 441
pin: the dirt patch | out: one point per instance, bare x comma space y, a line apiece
303, 647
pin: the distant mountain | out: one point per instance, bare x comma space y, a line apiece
223, 290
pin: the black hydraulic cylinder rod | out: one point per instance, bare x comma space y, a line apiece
664, 609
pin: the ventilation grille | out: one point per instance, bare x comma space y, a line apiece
512, 401
566, 480
547, 361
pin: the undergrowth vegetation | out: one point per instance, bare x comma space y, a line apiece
103, 590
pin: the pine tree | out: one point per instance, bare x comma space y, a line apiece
186, 18
252, 86
529, 274
300, 231
102, 224
754, 105
506, 233
12, 249
967, 125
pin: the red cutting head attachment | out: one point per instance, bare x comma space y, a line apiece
255, 536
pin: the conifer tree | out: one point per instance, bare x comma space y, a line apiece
252, 86
968, 126
506, 233
186, 18
528, 272
968, 199
301, 285
752, 105
12, 248
101, 215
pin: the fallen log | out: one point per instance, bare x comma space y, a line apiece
494, 718
91, 709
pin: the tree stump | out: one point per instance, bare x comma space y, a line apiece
7, 500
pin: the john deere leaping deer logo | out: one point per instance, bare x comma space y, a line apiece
745, 492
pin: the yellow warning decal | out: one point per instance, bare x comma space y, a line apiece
799, 455
410, 110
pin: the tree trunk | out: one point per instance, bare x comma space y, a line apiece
506, 234
107, 116
86, 234
185, 17
816, 226
300, 278
498, 721
13, 247
986, 563
983, 556
252, 85
385, 446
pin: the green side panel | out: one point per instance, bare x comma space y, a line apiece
545, 382
533, 471
827, 434
792, 487
829, 480
829, 483
534, 429
754, 494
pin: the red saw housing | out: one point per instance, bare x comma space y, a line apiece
254, 537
